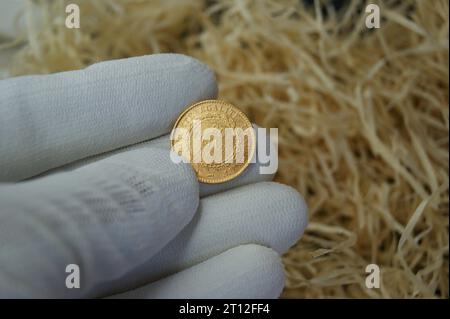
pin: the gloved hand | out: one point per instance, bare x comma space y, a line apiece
135, 223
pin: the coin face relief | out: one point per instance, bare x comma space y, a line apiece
216, 138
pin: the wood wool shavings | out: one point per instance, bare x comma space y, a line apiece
363, 117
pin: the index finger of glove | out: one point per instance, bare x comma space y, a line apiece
47, 121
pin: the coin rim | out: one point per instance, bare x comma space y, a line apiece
230, 177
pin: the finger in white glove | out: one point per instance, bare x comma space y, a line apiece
268, 214
243, 272
252, 174
50, 120
107, 217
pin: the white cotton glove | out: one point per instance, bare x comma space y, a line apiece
135, 223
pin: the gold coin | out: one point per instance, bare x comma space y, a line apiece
221, 140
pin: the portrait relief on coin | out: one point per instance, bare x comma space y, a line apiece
216, 138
